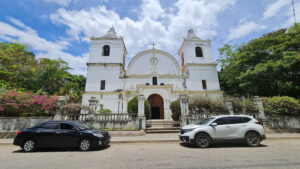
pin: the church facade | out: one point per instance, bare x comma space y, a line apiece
153, 73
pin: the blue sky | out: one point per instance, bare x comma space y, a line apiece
61, 28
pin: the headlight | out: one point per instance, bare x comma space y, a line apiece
98, 135
189, 130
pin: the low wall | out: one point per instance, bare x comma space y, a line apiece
8, 124
283, 123
113, 125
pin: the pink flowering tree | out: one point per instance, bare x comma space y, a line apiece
16, 103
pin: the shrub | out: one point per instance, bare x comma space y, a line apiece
104, 111
17, 103
281, 106
207, 105
72, 108
176, 110
132, 107
243, 106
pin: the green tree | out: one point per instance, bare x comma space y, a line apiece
53, 74
267, 66
132, 107
18, 67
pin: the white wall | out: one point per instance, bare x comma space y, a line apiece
116, 51
109, 73
199, 73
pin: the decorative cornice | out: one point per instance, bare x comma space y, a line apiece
103, 64
198, 92
201, 64
160, 76
110, 93
154, 86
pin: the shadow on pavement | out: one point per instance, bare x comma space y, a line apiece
40, 150
222, 145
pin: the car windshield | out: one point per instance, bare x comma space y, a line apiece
82, 126
205, 121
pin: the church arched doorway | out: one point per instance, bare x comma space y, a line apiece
157, 106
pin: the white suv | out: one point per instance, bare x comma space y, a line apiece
223, 128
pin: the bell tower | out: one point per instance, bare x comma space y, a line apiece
196, 59
106, 61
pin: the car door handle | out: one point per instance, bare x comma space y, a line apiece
227, 126
58, 132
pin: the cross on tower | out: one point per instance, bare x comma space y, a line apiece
153, 44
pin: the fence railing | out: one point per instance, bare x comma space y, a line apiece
101, 117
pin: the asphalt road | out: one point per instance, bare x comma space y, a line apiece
272, 154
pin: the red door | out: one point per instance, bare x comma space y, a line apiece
157, 106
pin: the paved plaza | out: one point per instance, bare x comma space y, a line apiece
276, 153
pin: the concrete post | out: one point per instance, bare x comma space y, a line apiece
259, 105
184, 106
228, 103
92, 105
141, 112
59, 105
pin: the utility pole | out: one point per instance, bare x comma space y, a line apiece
294, 13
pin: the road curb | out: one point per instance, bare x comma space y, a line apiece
169, 141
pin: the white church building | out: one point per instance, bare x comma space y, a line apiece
153, 73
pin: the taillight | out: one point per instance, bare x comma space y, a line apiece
258, 122
19, 132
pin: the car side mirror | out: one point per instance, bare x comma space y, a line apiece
213, 124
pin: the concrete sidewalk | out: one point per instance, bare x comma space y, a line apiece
164, 138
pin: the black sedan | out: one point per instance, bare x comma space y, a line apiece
60, 134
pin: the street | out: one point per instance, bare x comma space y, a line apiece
272, 154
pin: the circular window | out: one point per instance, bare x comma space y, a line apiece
154, 61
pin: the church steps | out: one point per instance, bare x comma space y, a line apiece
162, 126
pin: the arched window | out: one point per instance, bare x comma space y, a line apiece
199, 52
105, 51
154, 80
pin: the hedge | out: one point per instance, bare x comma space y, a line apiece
176, 110
281, 106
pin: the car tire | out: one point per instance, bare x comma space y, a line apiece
84, 145
29, 145
252, 139
202, 140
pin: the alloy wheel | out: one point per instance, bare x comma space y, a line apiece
252, 139
202, 140
84, 145
29, 146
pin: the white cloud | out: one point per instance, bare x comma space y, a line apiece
60, 2
44, 48
166, 27
244, 29
275, 7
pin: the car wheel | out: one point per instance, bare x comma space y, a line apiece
202, 140
252, 139
29, 145
84, 145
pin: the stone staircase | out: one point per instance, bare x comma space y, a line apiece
162, 126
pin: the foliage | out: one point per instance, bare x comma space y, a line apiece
18, 103
104, 111
21, 70
281, 106
267, 66
176, 111
72, 108
207, 105
147, 109
132, 107
243, 106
